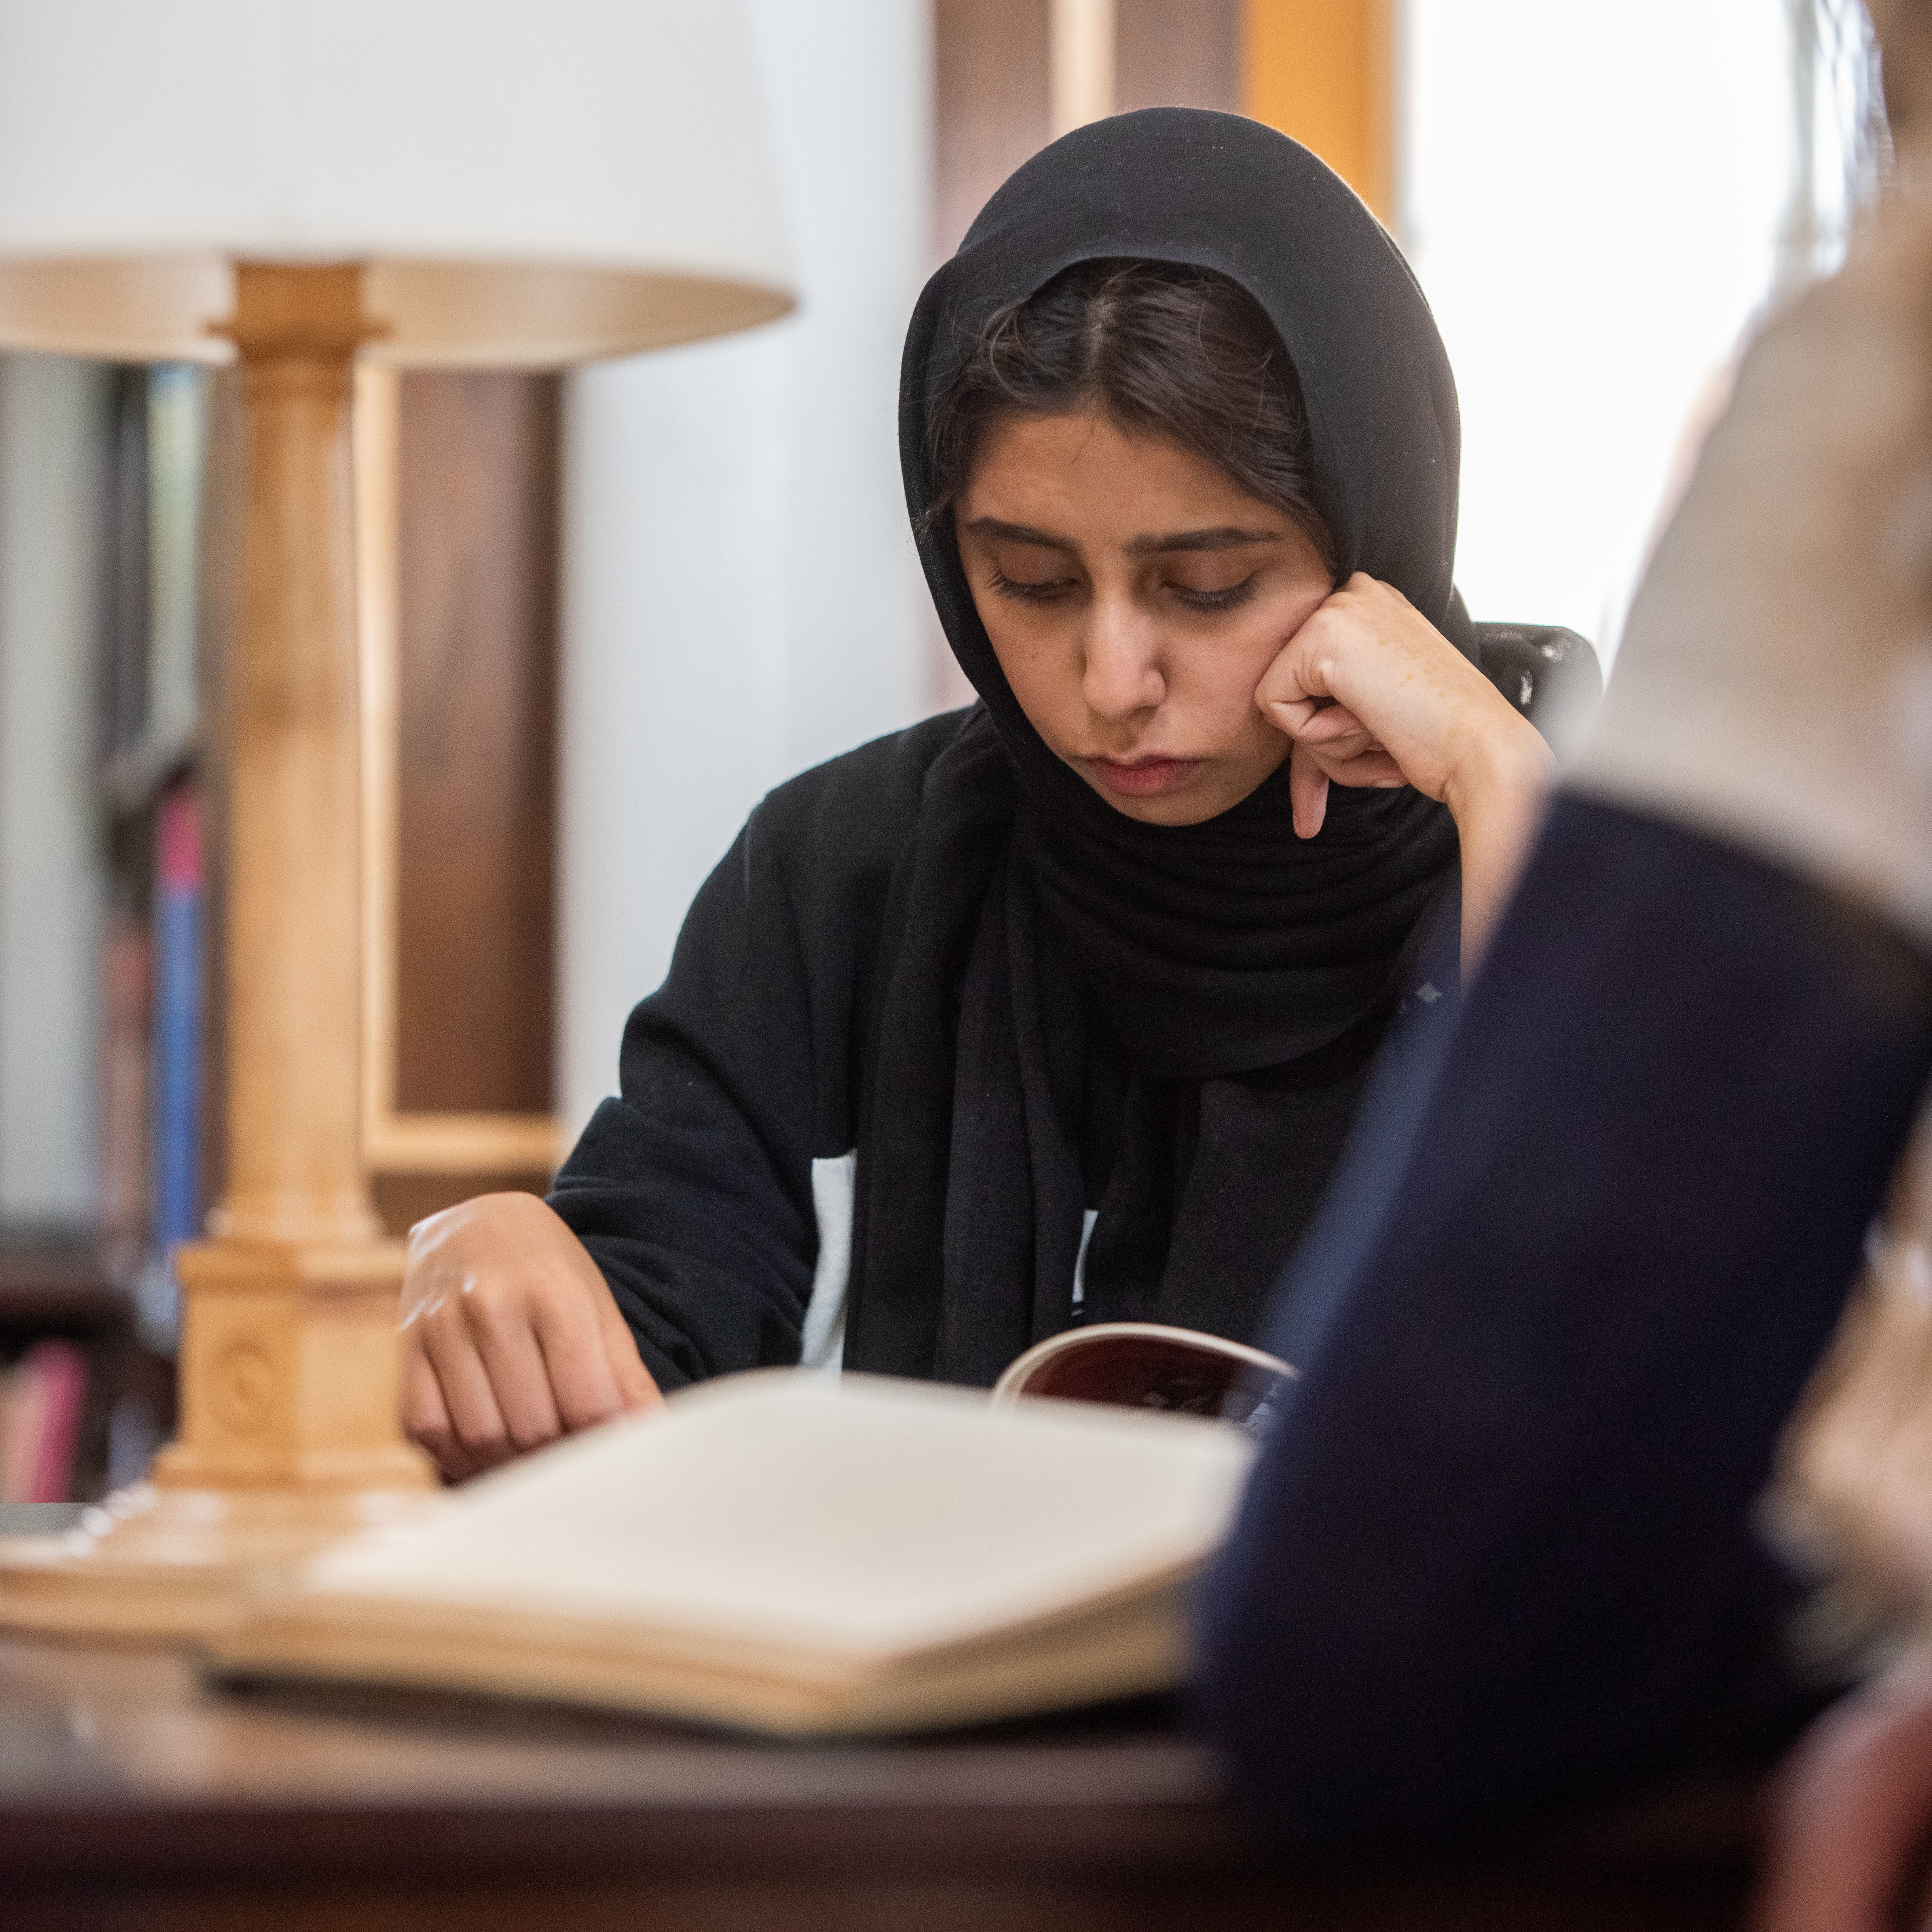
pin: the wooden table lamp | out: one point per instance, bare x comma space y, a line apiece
293, 184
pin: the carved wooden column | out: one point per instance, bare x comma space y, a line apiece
289, 1361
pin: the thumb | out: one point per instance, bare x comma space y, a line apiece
1307, 793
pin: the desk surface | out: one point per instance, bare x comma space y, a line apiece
132, 1797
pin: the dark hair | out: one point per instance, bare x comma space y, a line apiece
1163, 348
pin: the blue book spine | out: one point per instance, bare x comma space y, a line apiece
177, 1021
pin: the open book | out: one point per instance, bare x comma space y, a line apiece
776, 1553
1150, 1365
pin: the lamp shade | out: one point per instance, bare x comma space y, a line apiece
528, 183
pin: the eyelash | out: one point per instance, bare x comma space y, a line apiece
1229, 599
1003, 585
1211, 602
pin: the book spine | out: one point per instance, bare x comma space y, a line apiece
59, 1371
176, 436
19, 1445
125, 593
178, 1019
127, 980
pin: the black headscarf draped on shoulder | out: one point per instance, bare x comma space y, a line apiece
1167, 1023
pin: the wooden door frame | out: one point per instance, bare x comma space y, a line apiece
394, 1141
1325, 71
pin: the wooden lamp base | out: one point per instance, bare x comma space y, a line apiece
153, 1564
290, 1364
288, 1440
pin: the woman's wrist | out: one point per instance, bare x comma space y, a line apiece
1502, 774
1496, 796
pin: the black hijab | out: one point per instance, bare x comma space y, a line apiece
1168, 1023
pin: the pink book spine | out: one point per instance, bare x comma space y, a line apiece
61, 1369
178, 840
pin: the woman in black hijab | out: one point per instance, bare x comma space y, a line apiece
1057, 1009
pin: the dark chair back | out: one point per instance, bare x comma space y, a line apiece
1550, 674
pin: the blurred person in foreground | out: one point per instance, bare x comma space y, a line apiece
1852, 1846
1588, 1253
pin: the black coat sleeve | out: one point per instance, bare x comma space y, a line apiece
692, 1188
1498, 1556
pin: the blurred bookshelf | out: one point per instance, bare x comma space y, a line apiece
101, 676
87, 1304
457, 554
84, 1402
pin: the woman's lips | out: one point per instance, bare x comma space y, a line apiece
1143, 778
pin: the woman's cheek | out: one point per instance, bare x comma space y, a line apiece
1042, 679
1239, 671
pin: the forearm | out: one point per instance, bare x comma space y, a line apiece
1497, 797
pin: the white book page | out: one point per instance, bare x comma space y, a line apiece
864, 1518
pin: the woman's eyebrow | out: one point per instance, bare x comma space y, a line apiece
1224, 538
1004, 532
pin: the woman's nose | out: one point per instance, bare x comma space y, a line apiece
1122, 673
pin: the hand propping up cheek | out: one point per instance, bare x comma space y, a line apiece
1372, 694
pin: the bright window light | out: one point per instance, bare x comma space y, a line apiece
1592, 198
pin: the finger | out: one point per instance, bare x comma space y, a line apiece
1332, 722
474, 1414
426, 1421
1283, 695
504, 1332
1371, 768
1290, 715
1307, 793
1370, 765
576, 1354
634, 1384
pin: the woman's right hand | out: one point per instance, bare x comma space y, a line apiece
1372, 693
510, 1336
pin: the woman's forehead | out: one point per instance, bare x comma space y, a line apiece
1083, 463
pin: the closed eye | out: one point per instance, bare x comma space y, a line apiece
1022, 591
1235, 594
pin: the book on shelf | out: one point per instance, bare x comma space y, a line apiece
783, 1552
178, 1017
148, 706
149, 682
174, 1059
177, 435
41, 1401
124, 590
123, 1086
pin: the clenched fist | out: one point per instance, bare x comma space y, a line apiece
510, 1336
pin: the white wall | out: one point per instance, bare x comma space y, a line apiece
50, 882
741, 597
1592, 196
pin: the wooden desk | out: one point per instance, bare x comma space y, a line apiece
132, 1798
